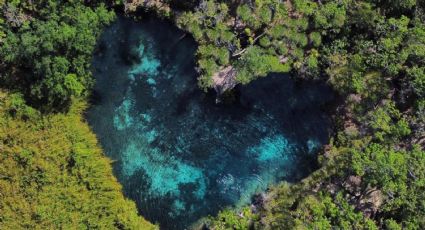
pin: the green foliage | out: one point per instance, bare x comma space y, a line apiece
305, 7
252, 30
399, 174
53, 175
386, 122
315, 39
331, 15
417, 79
295, 208
381, 167
255, 63
325, 212
372, 53
229, 219
47, 53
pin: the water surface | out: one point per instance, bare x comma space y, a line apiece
179, 155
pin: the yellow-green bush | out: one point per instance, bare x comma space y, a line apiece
53, 174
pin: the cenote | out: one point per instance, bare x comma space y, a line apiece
178, 154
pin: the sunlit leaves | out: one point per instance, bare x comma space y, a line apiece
54, 175
49, 48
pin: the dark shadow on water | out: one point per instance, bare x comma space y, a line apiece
179, 155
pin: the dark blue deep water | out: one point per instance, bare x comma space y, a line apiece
179, 155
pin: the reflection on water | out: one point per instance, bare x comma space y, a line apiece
179, 155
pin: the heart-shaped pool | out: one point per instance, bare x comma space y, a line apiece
179, 155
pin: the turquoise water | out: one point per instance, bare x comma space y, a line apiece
179, 155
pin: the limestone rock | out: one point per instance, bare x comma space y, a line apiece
353, 185
224, 79
371, 202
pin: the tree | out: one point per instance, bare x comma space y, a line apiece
54, 175
56, 47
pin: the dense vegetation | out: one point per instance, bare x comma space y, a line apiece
371, 52
53, 174
46, 49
